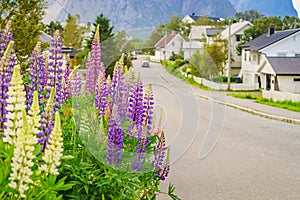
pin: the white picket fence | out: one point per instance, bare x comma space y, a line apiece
222, 86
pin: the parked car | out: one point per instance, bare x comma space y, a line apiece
145, 63
133, 56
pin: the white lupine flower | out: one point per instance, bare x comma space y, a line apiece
15, 105
22, 159
54, 151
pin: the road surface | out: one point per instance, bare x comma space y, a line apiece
218, 152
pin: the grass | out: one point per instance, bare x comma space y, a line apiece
190, 81
289, 105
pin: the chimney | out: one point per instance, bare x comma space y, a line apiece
173, 32
271, 30
193, 14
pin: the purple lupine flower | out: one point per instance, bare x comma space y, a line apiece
135, 108
161, 160
66, 92
6, 71
76, 84
55, 68
6, 37
47, 122
140, 154
94, 65
115, 139
101, 98
148, 109
36, 74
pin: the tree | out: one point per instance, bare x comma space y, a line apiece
217, 52
105, 31
174, 24
109, 50
203, 65
263, 24
249, 15
249, 34
290, 22
26, 27
52, 27
204, 20
72, 33
155, 36
7, 9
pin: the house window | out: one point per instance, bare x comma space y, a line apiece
281, 54
238, 38
254, 58
245, 57
297, 55
296, 79
173, 43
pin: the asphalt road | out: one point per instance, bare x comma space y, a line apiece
218, 152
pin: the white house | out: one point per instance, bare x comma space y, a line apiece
273, 60
194, 18
190, 47
167, 46
281, 74
233, 34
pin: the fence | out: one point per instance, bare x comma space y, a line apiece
281, 96
220, 86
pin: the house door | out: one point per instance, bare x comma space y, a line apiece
268, 81
276, 84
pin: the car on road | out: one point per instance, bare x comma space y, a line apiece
145, 63
133, 56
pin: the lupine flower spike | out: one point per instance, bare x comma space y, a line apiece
5, 78
94, 64
22, 161
15, 105
54, 150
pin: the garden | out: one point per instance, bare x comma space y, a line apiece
66, 137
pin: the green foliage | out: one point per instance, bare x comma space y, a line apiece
289, 105
155, 36
26, 27
249, 34
85, 168
52, 27
204, 20
72, 32
264, 23
249, 15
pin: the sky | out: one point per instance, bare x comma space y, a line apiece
297, 6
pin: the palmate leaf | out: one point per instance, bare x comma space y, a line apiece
171, 194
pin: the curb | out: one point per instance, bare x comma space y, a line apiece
254, 112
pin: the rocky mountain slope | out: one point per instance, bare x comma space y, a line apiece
132, 14
266, 7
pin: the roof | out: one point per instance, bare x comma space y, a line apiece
196, 17
285, 65
198, 32
45, 37
266, 39
213, 31
235, 28
165, 40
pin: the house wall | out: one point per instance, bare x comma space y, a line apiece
236, 64
288, 47
287, 84
250, 61
173, 46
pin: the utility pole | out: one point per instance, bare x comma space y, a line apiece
229, 56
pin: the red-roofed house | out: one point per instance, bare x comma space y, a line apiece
166, 46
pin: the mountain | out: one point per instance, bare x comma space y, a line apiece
133, 14
266, 7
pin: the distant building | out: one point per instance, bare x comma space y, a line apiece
167, 46
273, 59
194, 18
